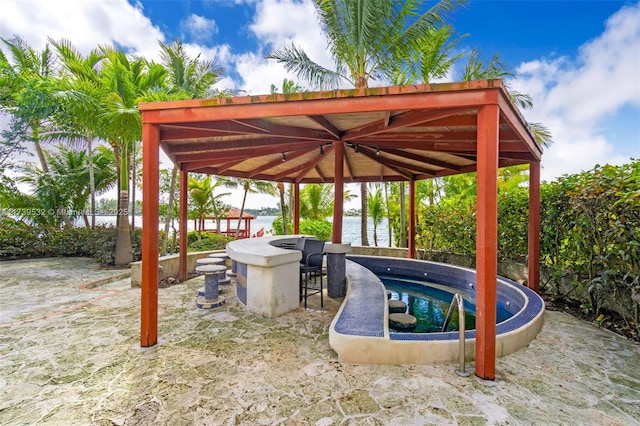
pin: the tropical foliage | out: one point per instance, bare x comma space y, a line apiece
590, 232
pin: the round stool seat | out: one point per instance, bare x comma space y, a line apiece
210, 269
397, 307
402, 321
210, 261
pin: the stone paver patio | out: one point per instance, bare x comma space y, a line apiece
70, 355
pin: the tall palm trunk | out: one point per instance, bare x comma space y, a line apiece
167, 218
283, 207
92, 180
403, 219
364, 214
133, 186
360, 83
244, 199
124, 250
386, 199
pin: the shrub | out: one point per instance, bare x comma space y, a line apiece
321, 229
209, 241
278, 229
18, 240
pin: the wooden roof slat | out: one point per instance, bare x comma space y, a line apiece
409, 118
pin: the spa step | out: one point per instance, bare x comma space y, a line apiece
397, 307
402, 321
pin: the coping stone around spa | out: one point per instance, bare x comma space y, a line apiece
397, 307
219, 255
403, 321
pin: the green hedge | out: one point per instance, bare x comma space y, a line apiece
590, 234
20, 241
208, 241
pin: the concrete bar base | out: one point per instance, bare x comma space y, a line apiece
267, 275
336, 269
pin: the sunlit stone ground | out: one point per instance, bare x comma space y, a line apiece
70, 355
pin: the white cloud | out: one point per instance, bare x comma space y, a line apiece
86, 24
275, 24
199, 28
571, 97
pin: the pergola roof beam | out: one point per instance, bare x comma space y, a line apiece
410, 118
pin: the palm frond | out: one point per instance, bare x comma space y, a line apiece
294, 59
541, 133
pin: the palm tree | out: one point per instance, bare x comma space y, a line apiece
476, 70
201, 194
66, 186
188, 78
283, 207
368, 39
71, 168
26, 82
433, 60
125, 83
288, 86
253, 186
79, 84
376, 211
316, 201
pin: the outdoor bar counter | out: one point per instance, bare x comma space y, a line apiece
267, 274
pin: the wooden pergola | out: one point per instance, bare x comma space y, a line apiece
400, 133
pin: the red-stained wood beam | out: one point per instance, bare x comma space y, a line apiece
462, 147
209, 129
519, 125
277, 162
406, 119
228, 165
247, 108
402, 165
534, 226
439, 136
234, 148
182, 225
461, 120
486, 241
396, 166
417, 157
313, 164
305, 167
326, 124
338, 202
347, 164
412, 219
285, 131
149, 266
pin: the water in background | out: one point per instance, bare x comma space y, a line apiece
350, 227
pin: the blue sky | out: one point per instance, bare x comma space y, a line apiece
579, 60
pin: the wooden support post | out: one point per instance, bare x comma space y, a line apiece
534, 226
487, 241
150, 191
182, 226
338, 203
